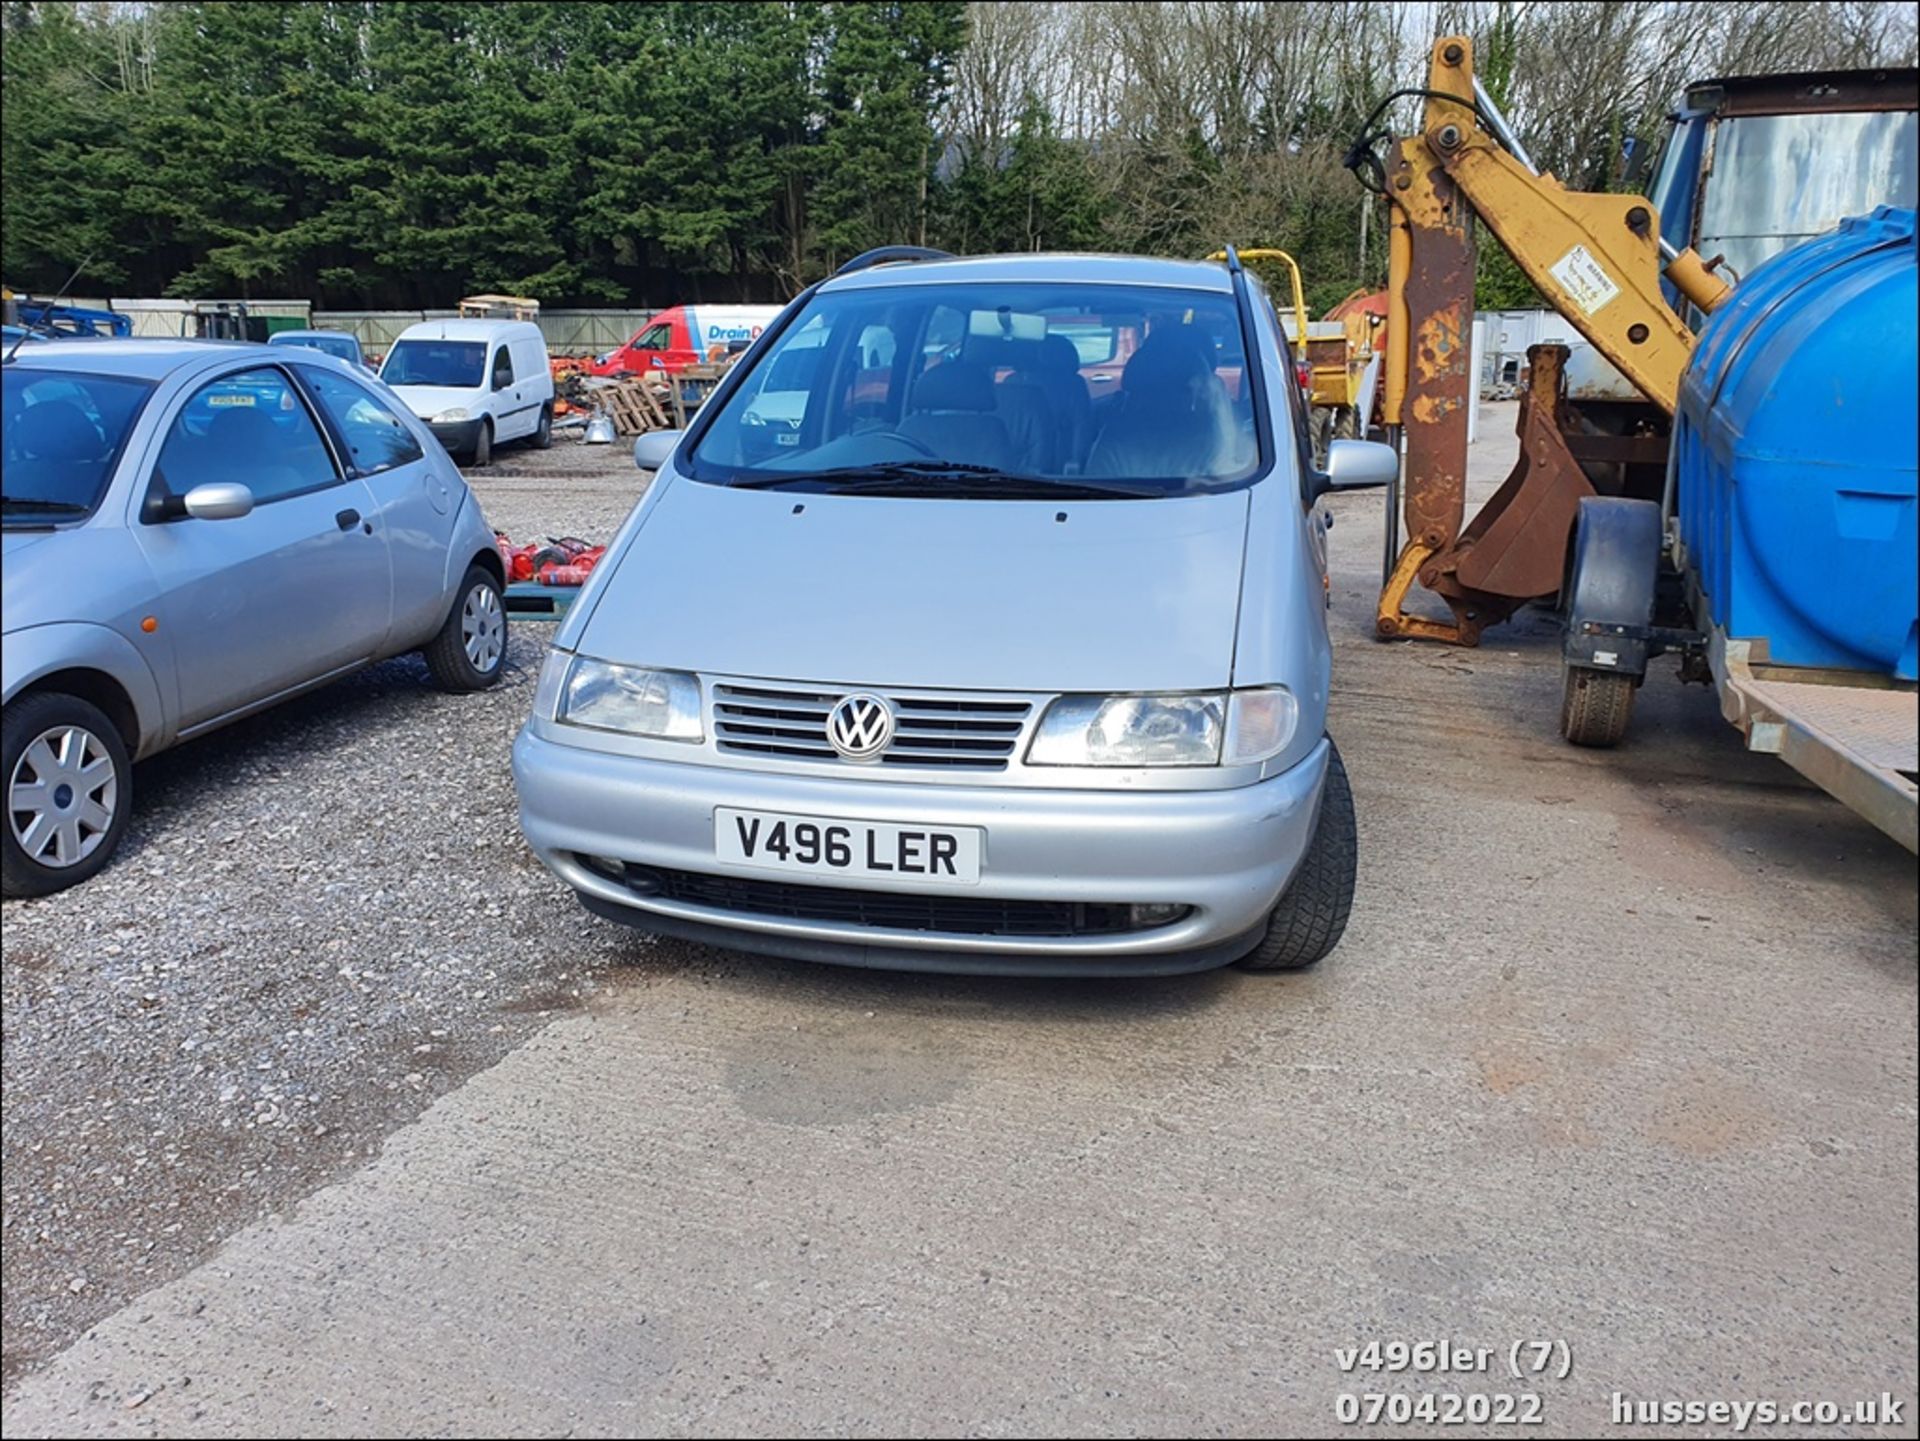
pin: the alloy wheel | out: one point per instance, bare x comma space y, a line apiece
61, 796
482, 628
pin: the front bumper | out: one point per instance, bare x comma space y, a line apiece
458, 436
1226, 854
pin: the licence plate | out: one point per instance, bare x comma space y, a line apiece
821, 845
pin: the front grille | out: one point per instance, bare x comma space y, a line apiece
932, 730
894, 910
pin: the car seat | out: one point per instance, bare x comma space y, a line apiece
58, 450
1022, 408
1173, 420
1052, 366
951, 412
244, 445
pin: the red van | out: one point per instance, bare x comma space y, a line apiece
686, 335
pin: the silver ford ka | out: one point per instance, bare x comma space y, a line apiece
194, 531
978, 623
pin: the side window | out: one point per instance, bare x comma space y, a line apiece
250, 427
654, 337
871, 397
946, 329
1095, 343
1299, 415
502, 369
376, 440
877, 348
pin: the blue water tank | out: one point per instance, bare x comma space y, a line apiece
1797, 439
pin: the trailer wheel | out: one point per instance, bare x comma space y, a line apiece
1596, 706
1346, 423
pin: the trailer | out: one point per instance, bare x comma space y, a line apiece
1748, 502
1780, 563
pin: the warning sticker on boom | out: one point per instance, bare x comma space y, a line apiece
1587, 284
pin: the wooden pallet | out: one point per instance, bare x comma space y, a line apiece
633, 407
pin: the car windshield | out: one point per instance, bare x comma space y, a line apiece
1116, 390
60, 434
344, 346
457, 363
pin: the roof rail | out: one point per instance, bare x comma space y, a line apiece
887, 254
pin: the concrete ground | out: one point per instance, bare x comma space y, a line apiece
1619, 1053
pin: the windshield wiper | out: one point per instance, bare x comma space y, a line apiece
28, 502
939, 477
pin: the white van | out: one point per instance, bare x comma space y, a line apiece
475, 382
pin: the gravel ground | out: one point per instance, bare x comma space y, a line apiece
320, 920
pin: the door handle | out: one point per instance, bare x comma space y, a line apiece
347, 519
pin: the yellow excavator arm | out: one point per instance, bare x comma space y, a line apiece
1596, 258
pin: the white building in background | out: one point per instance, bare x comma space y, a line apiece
1510, 333
1503, 360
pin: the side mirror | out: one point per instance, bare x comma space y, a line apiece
1634, 154
225, 501
499, 384
1360, 465
651, 449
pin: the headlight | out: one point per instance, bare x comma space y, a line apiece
1130, 730
660, 703
458, 412
1240, 728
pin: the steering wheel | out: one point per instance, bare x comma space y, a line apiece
918, 447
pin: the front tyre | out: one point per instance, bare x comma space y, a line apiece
471, 649
483, 445
69, 787
1312, 915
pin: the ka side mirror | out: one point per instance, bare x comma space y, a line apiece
651, 449
225, 501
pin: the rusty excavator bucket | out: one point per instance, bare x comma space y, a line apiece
1515, 549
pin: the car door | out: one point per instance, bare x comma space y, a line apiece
413, 490
294, 590
652, 349
512, 417
534, 367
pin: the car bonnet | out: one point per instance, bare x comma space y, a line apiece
1074, 595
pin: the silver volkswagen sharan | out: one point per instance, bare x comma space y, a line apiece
977, 623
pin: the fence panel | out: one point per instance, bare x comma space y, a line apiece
567, 332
